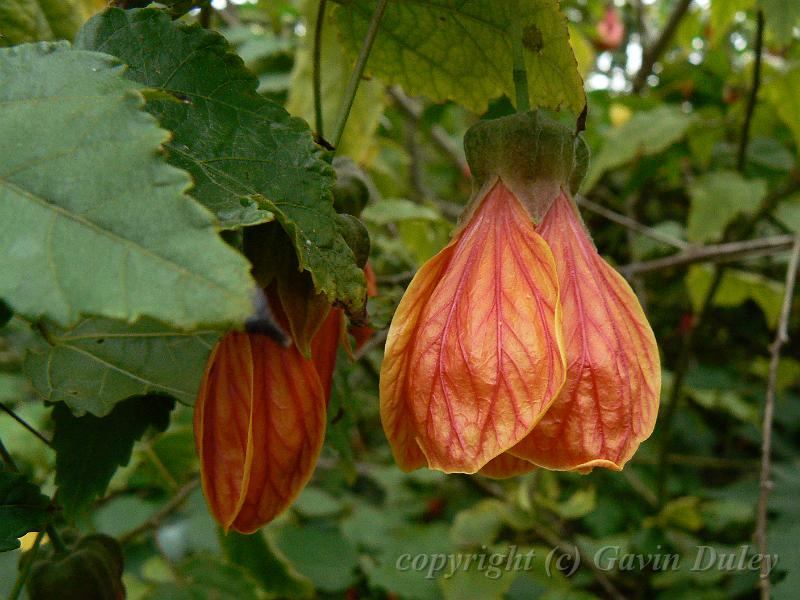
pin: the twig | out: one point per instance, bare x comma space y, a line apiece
682, 364
436, 133
751, 100
713, 253
376, 341
765, 485
358, 71
155, 521
24, 423
317, 70
632, 224
654, 52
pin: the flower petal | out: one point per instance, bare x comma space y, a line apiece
506, 465
324, 348
474, 354
609, 403
259, 425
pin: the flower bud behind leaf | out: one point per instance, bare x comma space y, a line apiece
259, 426
356, 236
90, 570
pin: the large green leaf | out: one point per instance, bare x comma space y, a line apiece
461, 49
23, 508
719, 197
89, 449
100, 362
38, 20
648, 132
249, 158
92, 220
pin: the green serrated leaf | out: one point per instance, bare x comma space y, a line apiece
96, 364
23, 508
646, 133
89, 449
461, 50
92, 220
717, 198
259, 556
250, 160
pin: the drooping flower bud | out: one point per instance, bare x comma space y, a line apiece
260, 423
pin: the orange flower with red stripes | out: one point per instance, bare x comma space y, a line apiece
517, 345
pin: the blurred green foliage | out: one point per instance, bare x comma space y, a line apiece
666, 156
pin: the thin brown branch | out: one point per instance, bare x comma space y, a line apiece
24, 423
155, 521
632, 224
765, 484
715, 253
654, 51
744, 139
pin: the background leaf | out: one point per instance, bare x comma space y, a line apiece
462, 51
89, 449
716, 199
100, 362
23, 508
249, 158
92, 220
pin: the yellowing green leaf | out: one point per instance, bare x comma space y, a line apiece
43, 20
92, 220
717, 198
782, 92
357, 141
461, 51
723, 13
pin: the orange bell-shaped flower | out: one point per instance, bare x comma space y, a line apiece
474, 363
474, 354
609, 403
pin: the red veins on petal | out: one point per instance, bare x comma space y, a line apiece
474, 354
609, 402
259, 427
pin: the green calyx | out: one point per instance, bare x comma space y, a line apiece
534, 156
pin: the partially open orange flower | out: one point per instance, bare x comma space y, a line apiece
519, 302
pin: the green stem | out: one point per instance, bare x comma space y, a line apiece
25, 567
58, 544
8, 461
520, 71
317, 70
358, 72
